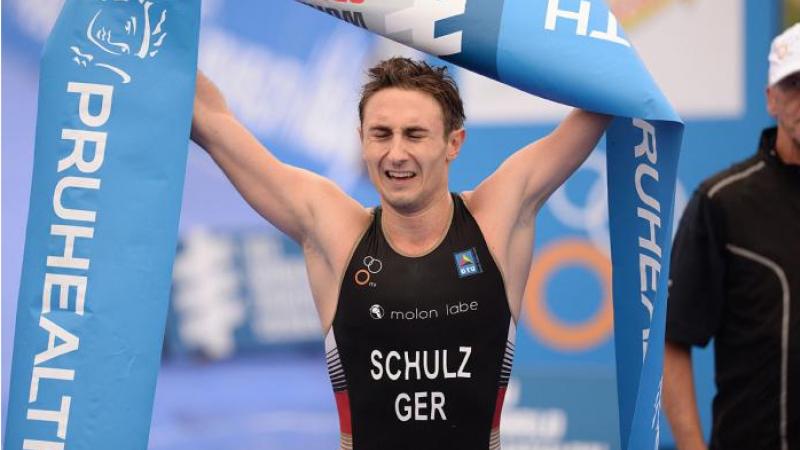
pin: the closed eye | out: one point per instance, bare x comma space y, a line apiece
416, 133
380, 132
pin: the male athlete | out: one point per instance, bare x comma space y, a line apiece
418, 297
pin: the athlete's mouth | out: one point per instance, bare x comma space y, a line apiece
400, 174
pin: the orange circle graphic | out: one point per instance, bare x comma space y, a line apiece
549, 328
362, 277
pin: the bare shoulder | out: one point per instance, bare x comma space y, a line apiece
339, 222
497, 207
508, 235
467, 197
487, 212
477, 202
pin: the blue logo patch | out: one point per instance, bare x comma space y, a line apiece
467, 263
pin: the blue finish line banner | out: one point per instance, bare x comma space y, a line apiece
575, 52
115, 102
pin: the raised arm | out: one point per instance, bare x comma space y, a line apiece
529, 176
506, 203
288, 197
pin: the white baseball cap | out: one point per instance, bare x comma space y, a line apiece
784, 54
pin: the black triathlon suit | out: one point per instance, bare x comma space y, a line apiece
420, 349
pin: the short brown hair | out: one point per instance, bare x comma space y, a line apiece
405, 73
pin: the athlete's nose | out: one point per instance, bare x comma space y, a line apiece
397, 152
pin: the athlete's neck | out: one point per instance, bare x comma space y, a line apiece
417, 233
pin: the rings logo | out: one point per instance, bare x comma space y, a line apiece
374, 265
376, 311
363, 277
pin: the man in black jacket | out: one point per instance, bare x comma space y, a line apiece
735, 277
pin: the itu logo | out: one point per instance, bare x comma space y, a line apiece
467, 263
376, 311
111, 41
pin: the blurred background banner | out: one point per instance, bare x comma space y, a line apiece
243, 366
115, 98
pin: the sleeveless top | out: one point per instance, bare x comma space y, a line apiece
420, 349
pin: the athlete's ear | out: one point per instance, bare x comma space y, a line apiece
454, 142
772, 101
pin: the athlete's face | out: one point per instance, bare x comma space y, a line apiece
783, 103
405, 148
